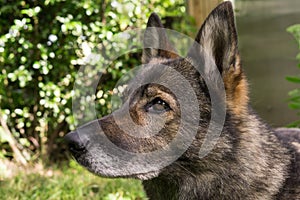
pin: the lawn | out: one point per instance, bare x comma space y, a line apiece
68, 182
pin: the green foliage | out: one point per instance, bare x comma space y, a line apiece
294, 100
42, 46
70, 182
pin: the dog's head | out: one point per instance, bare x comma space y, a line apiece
167, 107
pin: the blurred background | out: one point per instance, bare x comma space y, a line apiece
44, 43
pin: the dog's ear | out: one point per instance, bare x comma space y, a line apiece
156, 42
218, 37
217, 41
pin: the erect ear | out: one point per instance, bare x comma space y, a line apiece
217, 41
156, 43
218, 37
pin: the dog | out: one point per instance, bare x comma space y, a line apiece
157, 134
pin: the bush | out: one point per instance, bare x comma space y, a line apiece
42, 44
294, 100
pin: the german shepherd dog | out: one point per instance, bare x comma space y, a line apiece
156, 135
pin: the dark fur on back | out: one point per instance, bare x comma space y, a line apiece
249, 161
290, 139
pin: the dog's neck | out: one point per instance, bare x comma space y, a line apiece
231, 177
190, 188
212, 188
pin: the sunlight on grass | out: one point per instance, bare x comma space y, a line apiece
69, 182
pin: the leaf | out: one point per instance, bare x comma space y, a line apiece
294, 28
298, 55
294, 106
295, 31
294, 124
294, 98
293, 79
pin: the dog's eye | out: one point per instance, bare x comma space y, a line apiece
158, 106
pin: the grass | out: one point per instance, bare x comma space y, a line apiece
67, 183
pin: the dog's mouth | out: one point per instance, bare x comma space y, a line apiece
101, 168
103, 161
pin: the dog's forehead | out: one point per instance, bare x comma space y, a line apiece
157, 65
159, 70
166, 72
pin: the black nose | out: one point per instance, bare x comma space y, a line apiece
75, 143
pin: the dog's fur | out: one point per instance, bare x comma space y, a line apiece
249, 160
